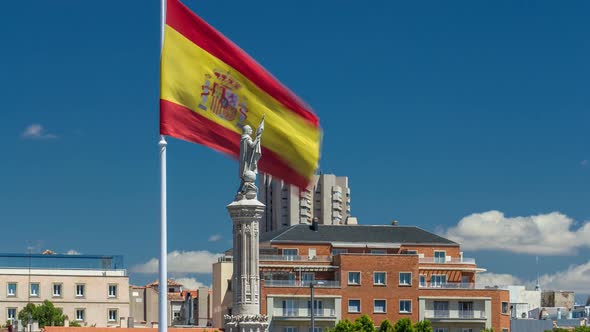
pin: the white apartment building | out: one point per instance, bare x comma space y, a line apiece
327, 198
90, 289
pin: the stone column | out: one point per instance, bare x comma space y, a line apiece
246, 213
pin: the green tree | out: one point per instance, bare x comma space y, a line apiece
423, 326
343, 326
403, 325
75, 323
46, 314
27, 313
582, 329
364, 324
386, 326
487, 330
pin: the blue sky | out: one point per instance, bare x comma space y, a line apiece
434, 110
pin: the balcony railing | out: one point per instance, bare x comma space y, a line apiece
303, 313
293, 258
455, 314
448, 285
453, 260
302, 283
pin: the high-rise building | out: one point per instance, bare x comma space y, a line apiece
327, 198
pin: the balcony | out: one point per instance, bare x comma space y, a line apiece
448, 285
461, 315
294, 258
303, 314
302, 283
453, 260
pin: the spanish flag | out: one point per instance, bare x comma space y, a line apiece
210, 88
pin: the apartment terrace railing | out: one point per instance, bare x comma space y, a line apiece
303, 313
455, 314
302, 283
448, 285
453, 260
290, 258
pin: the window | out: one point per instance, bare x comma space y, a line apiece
113, 315
56, 290
308, 277
505, 307
422, 280
318, 309
380, 306
379, 278
441, 329
79, 290
11, 289
11, 313
466, 330
354, 305
411, 252
35, 290
441, 309
438, 280
440, 257
504, 330
80, 315
465, 309
354, 278
405, 306
112, 290
289, 308
339, 251
290, 252
405, 278
316, 329
378, 251
289, 329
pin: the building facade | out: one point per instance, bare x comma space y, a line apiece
386, 272
89, 289
185, 307
327, 198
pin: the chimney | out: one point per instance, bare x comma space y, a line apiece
394, 223
314, 224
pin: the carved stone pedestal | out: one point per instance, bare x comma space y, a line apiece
246, 212
246, 323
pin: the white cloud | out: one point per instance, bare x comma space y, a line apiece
215, 238
497, 279
36, 131
72, 252
181, 262
575, 278
190, 283
546, 234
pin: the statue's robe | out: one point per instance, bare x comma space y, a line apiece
250, 153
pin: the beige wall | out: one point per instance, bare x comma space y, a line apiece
96, 301
222, 298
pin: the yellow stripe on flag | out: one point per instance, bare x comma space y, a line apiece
184, 71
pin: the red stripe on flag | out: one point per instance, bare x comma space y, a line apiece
180, 122
183, 20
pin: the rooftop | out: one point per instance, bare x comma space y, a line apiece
382, 234
60, 261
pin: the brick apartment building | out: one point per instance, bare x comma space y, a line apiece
386, 272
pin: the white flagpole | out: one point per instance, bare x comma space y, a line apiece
163, 267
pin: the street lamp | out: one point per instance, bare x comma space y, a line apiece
312, 304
